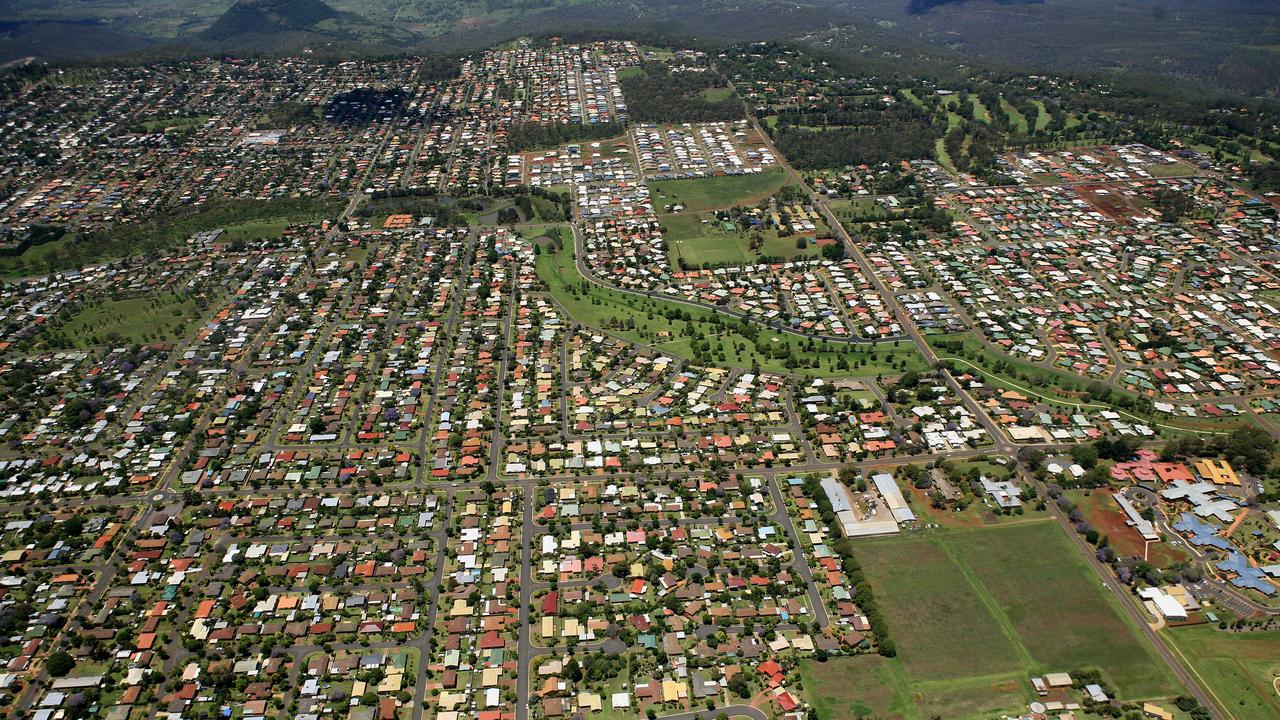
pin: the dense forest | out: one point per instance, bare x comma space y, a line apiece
659, 95
840, 146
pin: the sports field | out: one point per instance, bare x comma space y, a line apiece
975, 613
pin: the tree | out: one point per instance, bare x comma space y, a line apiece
1085, 455
59, 663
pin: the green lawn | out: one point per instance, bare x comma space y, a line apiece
644, 320
717, 193
976, 612
147, 318
1239, 669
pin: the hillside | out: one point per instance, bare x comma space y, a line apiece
1225, 44
1221, 44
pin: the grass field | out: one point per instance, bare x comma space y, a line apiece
976, 612
148, 318
1239, 668
701, 242
946, 631
717, 193
717, 94
853, 687
32, 262
605, 308
1059, 609
178, 123
256, 230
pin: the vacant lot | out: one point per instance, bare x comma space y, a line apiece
717, 193
847, 688
1238, 668
976, 612
938, 619
1058, 607
1103, 512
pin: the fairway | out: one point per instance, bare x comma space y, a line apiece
975, 613
1238, 668
716, 193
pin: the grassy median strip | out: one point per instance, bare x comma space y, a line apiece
705, 335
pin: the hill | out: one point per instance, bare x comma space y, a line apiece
1231, 45
1223, 44
269, 17
282, 25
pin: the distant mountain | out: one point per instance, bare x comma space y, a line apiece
269, 17
915, 7
282, 25
65, 40
1224, 44
1231, 45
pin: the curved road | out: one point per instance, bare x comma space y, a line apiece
752, 712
